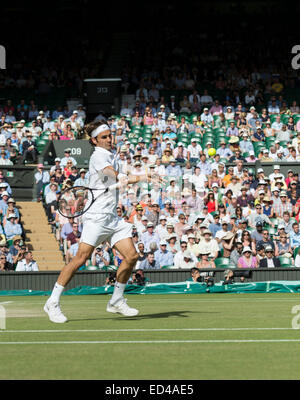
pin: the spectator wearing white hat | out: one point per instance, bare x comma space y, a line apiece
161, 228
12, 228
207, 118
283, 205
180, 153
209, 244
67, 157
172, 169
194, 150
190, 257
163, 256
11, 209
247, 260
82, 180
276, 173
56, 164
150, 237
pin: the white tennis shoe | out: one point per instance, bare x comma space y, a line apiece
54, 312
122, 308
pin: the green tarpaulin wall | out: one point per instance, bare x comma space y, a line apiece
174, 288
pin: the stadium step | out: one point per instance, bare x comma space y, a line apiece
39, 237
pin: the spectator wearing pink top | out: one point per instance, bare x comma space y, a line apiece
247, 260
298, 126
216, 109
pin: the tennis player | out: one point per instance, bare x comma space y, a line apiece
100, 223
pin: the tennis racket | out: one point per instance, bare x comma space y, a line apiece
77, 200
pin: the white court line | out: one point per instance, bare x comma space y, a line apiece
158, 341
142, 330
147, 301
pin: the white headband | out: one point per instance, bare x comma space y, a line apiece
100, 129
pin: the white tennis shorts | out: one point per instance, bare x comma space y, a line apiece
98, 228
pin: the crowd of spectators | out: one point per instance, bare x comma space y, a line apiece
23, 126
15, 255
212, 209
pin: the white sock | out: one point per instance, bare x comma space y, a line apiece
118, 292
56, 292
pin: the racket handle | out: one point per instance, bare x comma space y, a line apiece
113, 187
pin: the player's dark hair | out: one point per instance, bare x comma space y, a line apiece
89, 128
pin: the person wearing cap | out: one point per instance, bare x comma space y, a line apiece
83, 179
207, 118
244, 198
10, 209
235, 185
179, 256
193, 151
150, 236
223, 150
12, 228
246, 145
270, 261
204, 261
276, 173
161, 228
172, 169
247, 260
267, 206
283, 205
163, 257
67, 157
41, 177
208, 244
236, 253
251, 158
56, 164
215, 226
180, 153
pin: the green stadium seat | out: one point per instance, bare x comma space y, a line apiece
285, 261
222, 262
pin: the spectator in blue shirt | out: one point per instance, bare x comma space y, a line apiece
232, 130
215, 226
173, 169
163, 256
12, 228
169, 134
295, 236
204, 165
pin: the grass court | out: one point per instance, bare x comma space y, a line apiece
206, 336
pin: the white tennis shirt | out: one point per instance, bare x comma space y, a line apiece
105, 203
